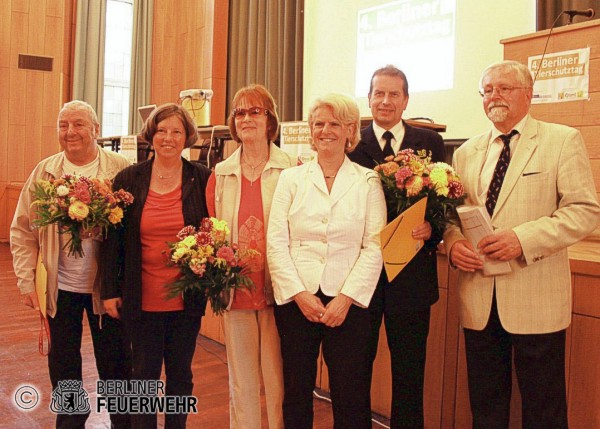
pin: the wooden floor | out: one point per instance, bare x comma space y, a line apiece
23, 368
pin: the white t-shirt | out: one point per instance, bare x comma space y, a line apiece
77, 274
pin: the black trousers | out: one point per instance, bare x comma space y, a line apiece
540, 368
168, 336
112, 352
407, 333
345, 353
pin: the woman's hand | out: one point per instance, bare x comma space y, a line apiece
336, 311
112, 307
310, 305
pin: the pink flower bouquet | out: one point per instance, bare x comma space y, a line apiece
208, 263
76, 204
408, 177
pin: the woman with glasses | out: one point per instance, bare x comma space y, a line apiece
240, 192
325, 260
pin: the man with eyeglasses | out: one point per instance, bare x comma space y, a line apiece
535, 181
405, 301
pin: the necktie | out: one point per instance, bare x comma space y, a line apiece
499, 173
387, 148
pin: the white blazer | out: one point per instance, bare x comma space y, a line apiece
549, 200
317, 239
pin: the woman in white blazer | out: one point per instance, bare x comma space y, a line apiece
324, 256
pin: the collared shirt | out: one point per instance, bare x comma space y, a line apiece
398, 132
493, 153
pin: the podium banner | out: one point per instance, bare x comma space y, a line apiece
294, 138
561, 76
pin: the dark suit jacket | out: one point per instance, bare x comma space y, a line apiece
122, 250
416, 287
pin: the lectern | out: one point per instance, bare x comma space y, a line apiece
584, 115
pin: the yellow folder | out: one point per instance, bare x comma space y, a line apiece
41, 278
397, 244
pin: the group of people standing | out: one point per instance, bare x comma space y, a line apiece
318, 277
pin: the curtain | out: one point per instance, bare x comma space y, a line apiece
88, 68
141, 62
548, 11
265, 46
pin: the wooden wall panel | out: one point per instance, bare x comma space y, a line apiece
36, 33
68, 51
584, 374
16, 151
586, 299
18, 44
594, 77
560, 40
4, 128
30, 100
33, 131
51, 146
183, 52
20, 5
209, 49
592, 143
434, 365
451, 351
574, 113
55, 8
212, 326
220, 41
596, 172
4, 212
54, 42
11, 196
51, 101
5, 24
218, 114
158, 32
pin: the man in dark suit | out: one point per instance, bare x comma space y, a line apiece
405, 301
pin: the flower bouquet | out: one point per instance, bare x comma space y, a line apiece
410, 176
76, 204
208, 263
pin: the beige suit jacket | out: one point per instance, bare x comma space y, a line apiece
549, 200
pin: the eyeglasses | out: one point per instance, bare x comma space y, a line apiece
503, 91
254, 112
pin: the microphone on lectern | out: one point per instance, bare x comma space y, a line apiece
588, 13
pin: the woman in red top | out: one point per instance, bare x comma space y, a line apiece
168, 194
240, 193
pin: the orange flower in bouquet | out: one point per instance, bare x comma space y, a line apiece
76, 204
410, 176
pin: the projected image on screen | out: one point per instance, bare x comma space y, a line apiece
415, 35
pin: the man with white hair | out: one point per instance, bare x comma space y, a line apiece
535, 180
72, 282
